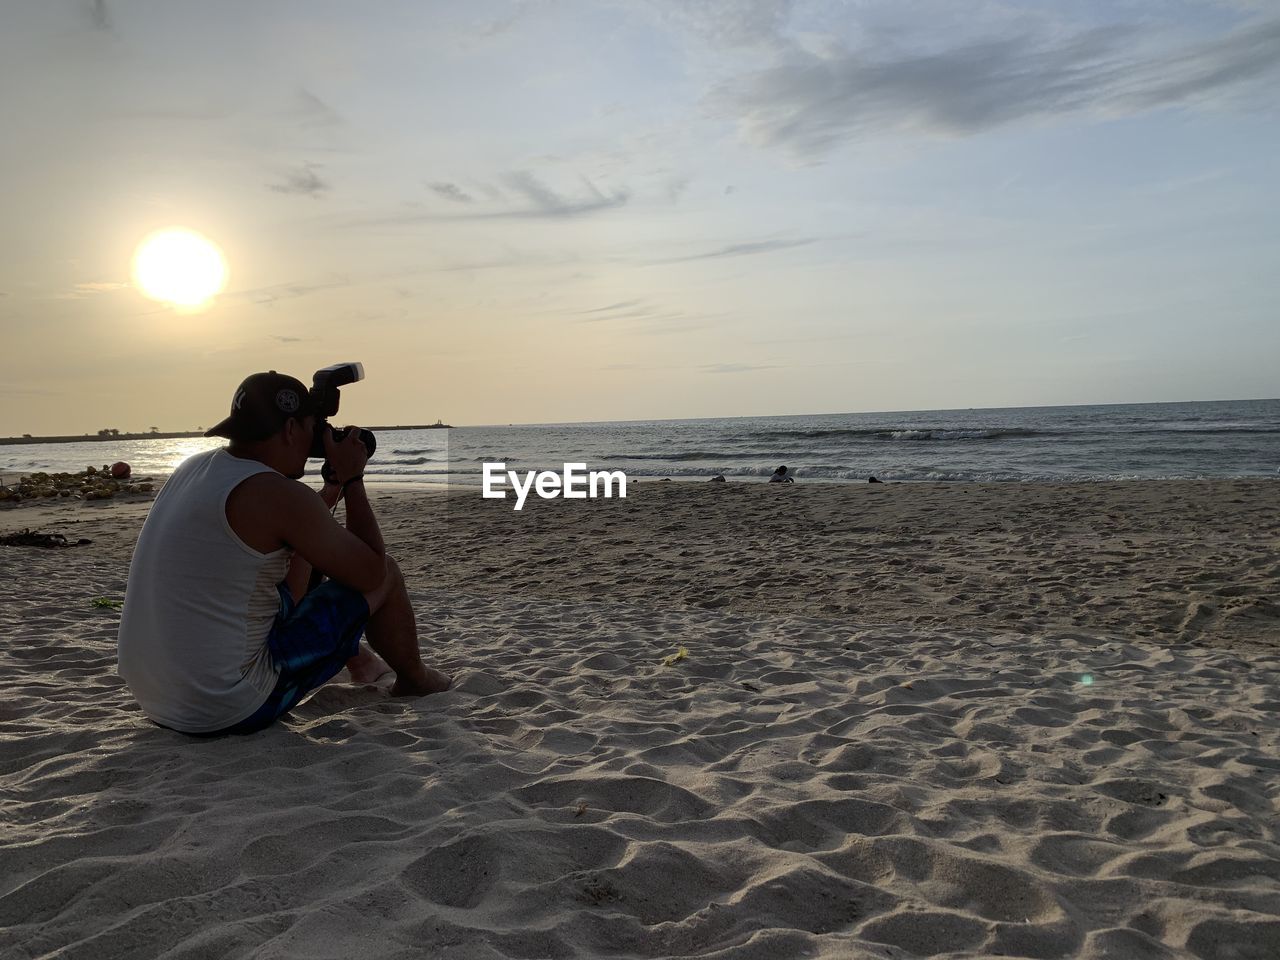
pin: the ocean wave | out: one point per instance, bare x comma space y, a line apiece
372, 471
906, 433
845, 475
692, 455
415, 462
411, 453
962, 434
1219, 428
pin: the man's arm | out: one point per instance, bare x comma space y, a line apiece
348, 458
299, 576
268, 511
360, 522
304, 523
360, 518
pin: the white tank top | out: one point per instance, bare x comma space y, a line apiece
199, 603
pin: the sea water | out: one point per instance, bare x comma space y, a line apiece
1075, 443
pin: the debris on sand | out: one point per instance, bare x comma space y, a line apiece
90, 484
29, 538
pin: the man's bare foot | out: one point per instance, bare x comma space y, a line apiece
366, 666
431, 681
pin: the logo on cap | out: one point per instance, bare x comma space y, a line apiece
238, 401
287, 401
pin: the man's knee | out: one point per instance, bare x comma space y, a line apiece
393, 568
392, 582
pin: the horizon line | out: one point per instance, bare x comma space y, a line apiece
173, 434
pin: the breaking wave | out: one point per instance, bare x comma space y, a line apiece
905, 433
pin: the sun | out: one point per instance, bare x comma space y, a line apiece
179, 267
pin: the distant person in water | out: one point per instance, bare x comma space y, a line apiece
781, 476
223, 630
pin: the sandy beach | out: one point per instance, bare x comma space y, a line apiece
951, 720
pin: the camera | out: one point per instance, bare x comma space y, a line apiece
324, 398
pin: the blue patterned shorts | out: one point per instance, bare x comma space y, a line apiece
310, 642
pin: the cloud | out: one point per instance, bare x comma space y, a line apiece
643, 317
508, 260
728, 23
501, 24
303, 182
612, 307
287, 291
545, 202
451, 191
736, 367
310, 111
676, 324
100, 16
95, 286
279, 339
535, 201
741, 250
82, 291
629, 310
810, 103
184, 113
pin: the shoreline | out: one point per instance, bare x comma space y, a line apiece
176, 435
465, 487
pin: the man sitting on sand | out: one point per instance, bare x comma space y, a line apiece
781, 476
219, 632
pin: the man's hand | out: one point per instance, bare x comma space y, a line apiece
347, 457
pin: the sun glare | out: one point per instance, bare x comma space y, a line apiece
179, 267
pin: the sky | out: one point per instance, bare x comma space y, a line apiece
550, 211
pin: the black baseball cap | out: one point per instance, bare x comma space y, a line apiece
261, 405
